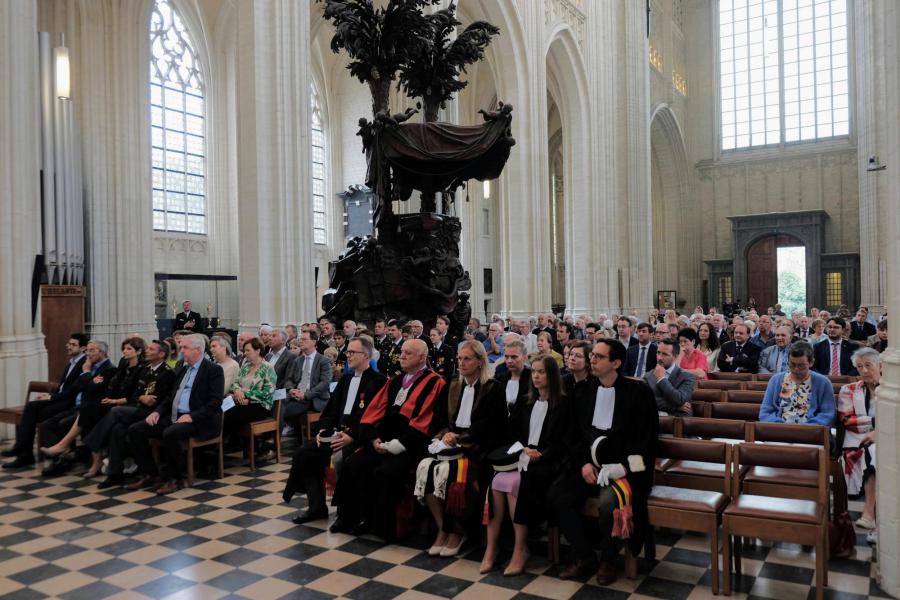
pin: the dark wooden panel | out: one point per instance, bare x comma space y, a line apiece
762, 279
62, 314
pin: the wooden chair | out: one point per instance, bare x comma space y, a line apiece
257, 428
697, 474
836, 386
764, 376
193, 443
719, 384
841, 379
785, 483
669, 427
745, 396
707, 395
690, 509
13, 414
734, 410
721, 376
307, 420
757, 386
779, 519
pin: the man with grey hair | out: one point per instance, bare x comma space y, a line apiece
281, 359
187, 320
194, 409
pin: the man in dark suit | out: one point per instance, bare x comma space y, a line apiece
155, 383
45, 406
441, 356
613, 430
718, 322
281, 359
348, 402
389, 362
311, 377
672, 387
860, 329
187, 320
832, 355
194, 409
739, 356
625, 334
641, 357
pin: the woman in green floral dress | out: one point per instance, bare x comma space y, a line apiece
253, 390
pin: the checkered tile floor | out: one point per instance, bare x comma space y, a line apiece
233, 538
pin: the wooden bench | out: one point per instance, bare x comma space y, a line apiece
13, 414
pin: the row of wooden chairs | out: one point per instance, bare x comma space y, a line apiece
753, 386
745, 377
783, 510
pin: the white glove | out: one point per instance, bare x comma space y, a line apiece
610, 472
393, 446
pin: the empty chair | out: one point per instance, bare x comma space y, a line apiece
787, 483
691, 509
697, 474
734, 410
763, 376
704, 395
718, 384
779, 519
722, 376
745, 396
757, 386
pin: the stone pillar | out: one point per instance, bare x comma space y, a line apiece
524, 206
111, 98
274, 188
886, 58
638, 262
22, 353
601, 70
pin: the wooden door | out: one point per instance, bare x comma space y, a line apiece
762, 274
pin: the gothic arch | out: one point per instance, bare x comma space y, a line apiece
567, 86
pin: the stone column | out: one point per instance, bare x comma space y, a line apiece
601, 70
22, 353
524, 206
111, 98
274, 187
638, 276
886, 56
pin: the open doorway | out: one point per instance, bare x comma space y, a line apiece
791, 268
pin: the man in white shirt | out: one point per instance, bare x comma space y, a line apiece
280, 359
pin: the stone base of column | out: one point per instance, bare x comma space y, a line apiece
22, 359
888, 476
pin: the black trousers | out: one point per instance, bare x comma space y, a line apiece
35, 412
172, 434
566, 499
308, 475
242, 414
55, 428
111, 431
371, 487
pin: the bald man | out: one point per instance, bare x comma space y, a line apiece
394, 433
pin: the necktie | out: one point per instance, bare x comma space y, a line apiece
835, 362
641, 362
779, 364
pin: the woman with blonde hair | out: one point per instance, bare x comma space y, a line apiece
471, 422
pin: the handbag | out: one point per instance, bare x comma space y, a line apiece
841, 535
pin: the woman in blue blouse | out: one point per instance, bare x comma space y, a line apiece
800, 395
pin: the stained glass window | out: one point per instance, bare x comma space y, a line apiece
318, 170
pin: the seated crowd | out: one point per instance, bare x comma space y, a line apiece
524, 419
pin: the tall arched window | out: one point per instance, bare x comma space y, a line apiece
178, 130
318, 169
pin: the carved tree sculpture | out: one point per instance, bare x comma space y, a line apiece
432, 71
379, 41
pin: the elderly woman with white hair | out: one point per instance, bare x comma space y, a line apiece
856, 417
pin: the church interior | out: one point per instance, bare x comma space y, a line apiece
181, 167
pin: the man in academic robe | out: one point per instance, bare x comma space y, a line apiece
187, 320
348, 402
612, 447
394, 434
45, 406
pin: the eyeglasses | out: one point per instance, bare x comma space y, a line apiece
352, 352
595, 356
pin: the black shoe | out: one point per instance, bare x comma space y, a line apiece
20, 462
306, 517
362, 528
10, 452
58, 467
340, 526
111, 481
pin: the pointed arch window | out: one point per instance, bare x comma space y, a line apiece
178, 125
318, 169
